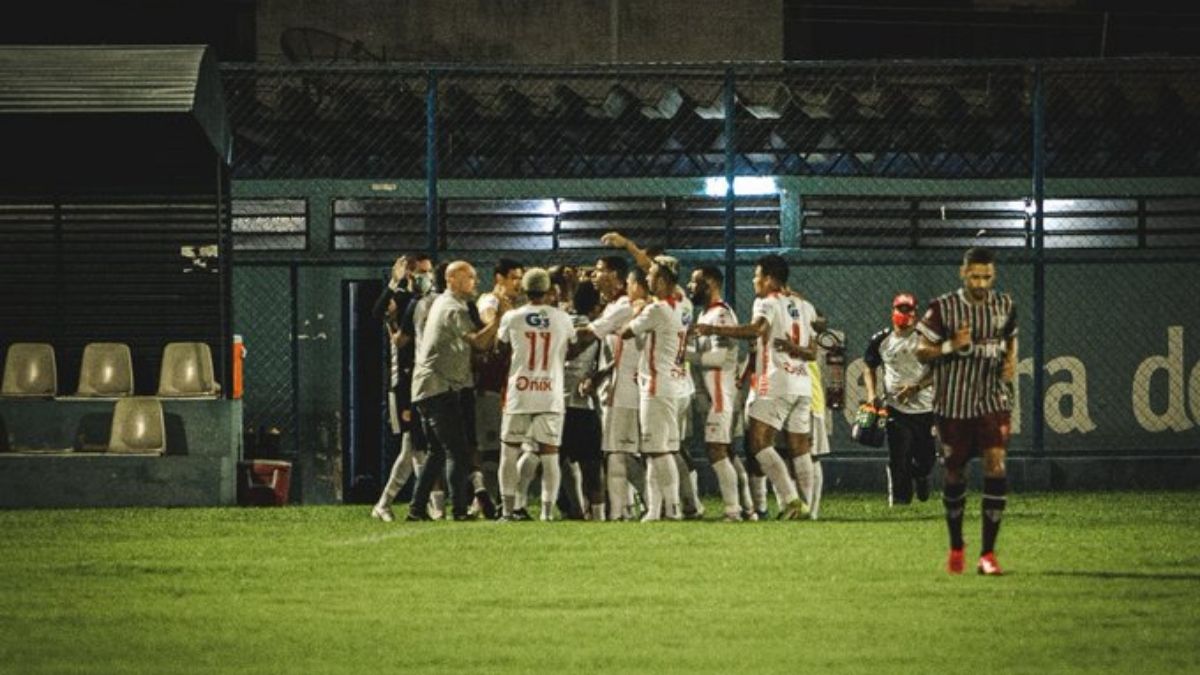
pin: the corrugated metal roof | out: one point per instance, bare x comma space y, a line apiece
105, 80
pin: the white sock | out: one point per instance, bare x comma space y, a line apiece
653, 489
477, 483
727, 481
758, 492
526, 471
598, 513
686, 492
551, 481
402, 468
694, 479
637, 475
618, 484
818, 487
773, 466
743, 482
509, 477
437, 500
418, 459
577, 484
669, 485
804, 475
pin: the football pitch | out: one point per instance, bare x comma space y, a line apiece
1096, 582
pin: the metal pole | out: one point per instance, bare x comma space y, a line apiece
1039, 267
431, 165
730, 166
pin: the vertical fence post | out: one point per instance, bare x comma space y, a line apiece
1039, 266
431, 164
294, 285
728, 100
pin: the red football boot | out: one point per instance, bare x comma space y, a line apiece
988, 565
955, 563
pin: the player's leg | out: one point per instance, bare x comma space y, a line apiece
799, 430
900, 441
767, 416
435, 464
402, 468
956, 437
923, 452
994, 431
718, 437
820, 448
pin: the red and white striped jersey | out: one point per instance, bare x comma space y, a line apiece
539, 335
659, 328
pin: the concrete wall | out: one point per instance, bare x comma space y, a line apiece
529, 31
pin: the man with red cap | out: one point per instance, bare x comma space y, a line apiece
907, 392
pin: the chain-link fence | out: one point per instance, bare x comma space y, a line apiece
868, 177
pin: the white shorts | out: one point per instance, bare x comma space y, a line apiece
820, 435
793, 415
659, 418
620, 429
487, 420
683, 412
542, 428
718, 427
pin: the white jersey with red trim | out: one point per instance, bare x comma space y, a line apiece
539, 335
687, 315
621, 389
773, 369
720, 380
801, 314
659, 328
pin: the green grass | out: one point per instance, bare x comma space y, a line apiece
1097, 582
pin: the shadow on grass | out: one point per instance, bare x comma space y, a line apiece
1101, 574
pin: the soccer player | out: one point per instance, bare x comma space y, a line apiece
821, 424
801, 347
775, 402
537, 335
661, 377
908, 393
491, 369
715, 359
970, 337
619, 397
581, 424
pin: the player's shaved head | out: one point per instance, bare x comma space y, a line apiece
461, 278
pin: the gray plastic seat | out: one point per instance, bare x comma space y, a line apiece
138, 426
30, 371
187, 370
106, 370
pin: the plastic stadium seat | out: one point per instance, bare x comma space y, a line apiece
138, 426
30, 370
106, 370
187, 370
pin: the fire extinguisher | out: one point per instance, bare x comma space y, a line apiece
833, 345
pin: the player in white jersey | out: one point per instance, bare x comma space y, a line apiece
661, 377
715, 359
801, 348
774, 402
619, 394
538, 335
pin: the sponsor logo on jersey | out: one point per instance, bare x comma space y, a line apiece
538, 320
533, 383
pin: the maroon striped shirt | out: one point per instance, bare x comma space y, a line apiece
971, 385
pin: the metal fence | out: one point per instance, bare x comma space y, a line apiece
869, 177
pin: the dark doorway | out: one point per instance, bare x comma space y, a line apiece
367, 453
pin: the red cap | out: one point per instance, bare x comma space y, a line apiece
905, 299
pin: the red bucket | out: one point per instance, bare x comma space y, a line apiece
263, 482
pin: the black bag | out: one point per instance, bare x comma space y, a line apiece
870, 426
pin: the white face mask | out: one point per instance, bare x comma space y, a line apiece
423, 282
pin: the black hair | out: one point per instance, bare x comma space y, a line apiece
978, 255
774, 266
586, 298
439, 278
713, 274
665, 272
420, 257
654, 251
639, 276
506, 265
617, 264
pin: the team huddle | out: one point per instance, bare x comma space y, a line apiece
594, 377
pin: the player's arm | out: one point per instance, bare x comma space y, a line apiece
808, 352
757, 328
618, 240
642, 323
1009, 371
485, 338
872, 359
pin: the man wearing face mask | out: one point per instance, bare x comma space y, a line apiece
411, 279
908, 393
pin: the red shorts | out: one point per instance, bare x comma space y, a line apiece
963, 439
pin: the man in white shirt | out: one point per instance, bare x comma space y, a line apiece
801, 348
775, 402
715, 359
491, 369
660, 328
619, 395
537, 335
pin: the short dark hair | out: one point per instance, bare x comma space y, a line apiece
586, 298
506, 265
420, 257
616, 263
978, 255
653, 251
713, 274
439, 277
774, 266
639, 276
665, 271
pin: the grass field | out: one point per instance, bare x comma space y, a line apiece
1096, 583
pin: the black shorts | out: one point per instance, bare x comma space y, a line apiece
581, 435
